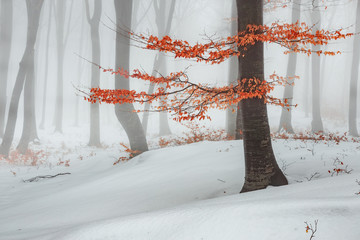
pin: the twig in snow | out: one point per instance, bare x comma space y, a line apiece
312, 229
37, 178
221, 180
314, 175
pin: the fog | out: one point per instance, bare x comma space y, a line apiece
192, 21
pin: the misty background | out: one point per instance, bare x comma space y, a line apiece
193, 21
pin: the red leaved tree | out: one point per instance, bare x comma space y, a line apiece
188, 100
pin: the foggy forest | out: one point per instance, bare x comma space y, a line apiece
179, 119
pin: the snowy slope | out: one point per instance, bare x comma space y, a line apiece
186, 192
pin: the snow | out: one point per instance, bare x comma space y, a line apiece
183, 192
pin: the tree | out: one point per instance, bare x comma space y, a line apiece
43, 110
261, 169
316, 123
62, 34
285, 119
94, 22
26, 71
6, 19
231, 112
189, 100
125, 112
354, 77
163, 24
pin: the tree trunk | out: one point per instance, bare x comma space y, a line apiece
239, 124
160, 63
6, 19
145, 119
28, 125
82, 46
94, 22
285, 119
164, 127
125, 112
306, 88
25, 70
354, 78
261, 169
59, 103
231, 113
42, 123
316, 124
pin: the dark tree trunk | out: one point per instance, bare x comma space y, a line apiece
6, 19
239, 124
125, 112
354, 78
261, 169
316, 123
285, 119
94, 22
43, 110
231, 113
25, 71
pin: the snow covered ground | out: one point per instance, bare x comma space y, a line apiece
184, 192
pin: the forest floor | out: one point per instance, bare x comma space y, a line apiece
178, 192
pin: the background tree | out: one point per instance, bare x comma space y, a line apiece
6, 19
316, 123
62, 34
354, 77
285, 119
231, 113
94, 22
26, 71
163, 23
46, 75
125, 112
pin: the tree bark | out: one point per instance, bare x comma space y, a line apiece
6, 25
285, 119
316, 123
261, 169
125, 112
94, 22
354, 77
25, 70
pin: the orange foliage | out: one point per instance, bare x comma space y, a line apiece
30, 158
189, 100
131, 153
196, 133
317, 137
339, 169
296, 37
